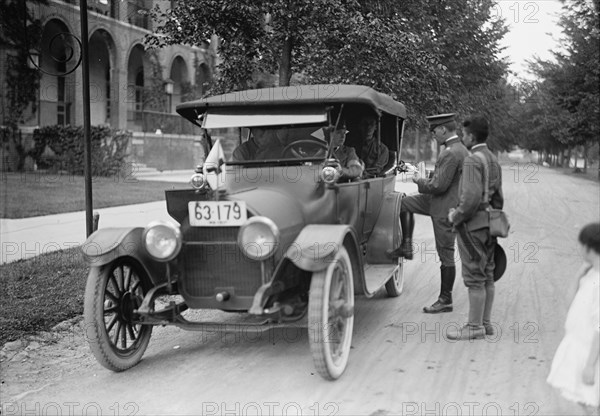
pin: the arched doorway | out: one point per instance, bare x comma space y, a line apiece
135, 88
101, 65
58, 55
179, 76
203, 78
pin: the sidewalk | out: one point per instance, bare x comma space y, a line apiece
29, 237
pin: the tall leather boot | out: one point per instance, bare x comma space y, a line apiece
407, 222
474, 329
448, 278
444, 302
490, 289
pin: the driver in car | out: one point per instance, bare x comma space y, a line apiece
350, 166
265, 143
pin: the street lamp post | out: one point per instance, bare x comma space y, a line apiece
87, 142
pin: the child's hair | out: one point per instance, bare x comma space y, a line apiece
590, 236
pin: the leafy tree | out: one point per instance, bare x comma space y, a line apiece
434, 56
570, 84
20, 31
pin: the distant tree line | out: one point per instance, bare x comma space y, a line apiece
559, 113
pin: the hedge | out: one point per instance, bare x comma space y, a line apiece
109, 147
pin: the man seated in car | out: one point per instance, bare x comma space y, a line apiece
265, 143
350, 165
373, 153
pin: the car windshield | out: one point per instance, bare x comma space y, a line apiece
270, 134
272, 143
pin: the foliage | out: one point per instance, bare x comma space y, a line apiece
154, 97
20, 31
564, 107
432, 56
464, 37
190, 92
109, 148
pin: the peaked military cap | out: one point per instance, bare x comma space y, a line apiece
440, 119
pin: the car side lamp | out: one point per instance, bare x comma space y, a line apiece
198, 180
331, 172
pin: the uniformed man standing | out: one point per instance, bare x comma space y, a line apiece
475, 244
436, 196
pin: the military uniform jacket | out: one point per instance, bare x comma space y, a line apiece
375, 156
443, 185
471, 207
347, 156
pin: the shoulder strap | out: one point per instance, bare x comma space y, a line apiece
486, 177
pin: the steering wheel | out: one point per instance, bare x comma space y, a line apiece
305, 148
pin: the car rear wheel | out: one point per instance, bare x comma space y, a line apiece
331, 316
113, 291
395, 285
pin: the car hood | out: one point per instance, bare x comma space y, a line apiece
282, 208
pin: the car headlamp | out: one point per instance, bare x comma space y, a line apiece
258, 238
198, 181
162, 240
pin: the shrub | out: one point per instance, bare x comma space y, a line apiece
109, 147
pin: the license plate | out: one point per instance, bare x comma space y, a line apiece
217, 213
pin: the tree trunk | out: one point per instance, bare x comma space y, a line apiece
585, 157
417, 146
569, 157
285, 63
561, 158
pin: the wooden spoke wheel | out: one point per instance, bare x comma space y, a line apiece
114, 332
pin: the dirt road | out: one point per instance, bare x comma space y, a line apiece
401, 361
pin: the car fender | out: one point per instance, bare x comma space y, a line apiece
387, 232
317, 244
108, 244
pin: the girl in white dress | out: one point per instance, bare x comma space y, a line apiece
575, 369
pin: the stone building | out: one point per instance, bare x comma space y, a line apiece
130, 87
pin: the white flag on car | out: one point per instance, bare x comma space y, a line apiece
214, 166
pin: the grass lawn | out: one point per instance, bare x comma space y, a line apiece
31, 194
38, 293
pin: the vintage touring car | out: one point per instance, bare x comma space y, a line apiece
278, 236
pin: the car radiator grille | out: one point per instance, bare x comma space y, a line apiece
212, 259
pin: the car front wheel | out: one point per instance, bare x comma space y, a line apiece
331, 316
112, 294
